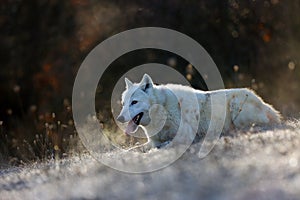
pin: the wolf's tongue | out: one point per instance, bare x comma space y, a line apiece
130, 127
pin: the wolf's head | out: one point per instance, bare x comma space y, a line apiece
136, 103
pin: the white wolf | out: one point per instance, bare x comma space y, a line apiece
158, 110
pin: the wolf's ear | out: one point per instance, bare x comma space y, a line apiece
128, 83
146, 83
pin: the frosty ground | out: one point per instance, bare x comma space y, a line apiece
253, 165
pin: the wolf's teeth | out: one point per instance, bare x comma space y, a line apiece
137, 118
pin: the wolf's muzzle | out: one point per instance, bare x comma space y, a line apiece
121, 119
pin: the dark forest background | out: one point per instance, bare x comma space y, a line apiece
254, 43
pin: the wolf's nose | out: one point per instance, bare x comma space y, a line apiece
121, 119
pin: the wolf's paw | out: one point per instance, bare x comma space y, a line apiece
162, 145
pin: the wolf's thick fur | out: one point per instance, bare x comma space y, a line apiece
159, 108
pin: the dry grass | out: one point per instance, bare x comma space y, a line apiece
252, 165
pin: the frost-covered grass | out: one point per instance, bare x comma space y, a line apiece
252, 165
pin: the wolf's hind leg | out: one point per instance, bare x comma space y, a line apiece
247, 108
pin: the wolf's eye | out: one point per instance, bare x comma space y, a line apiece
133, 102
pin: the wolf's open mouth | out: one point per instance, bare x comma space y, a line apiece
137, 118
133, 124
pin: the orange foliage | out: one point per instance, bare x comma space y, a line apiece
265, 32
46, 78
